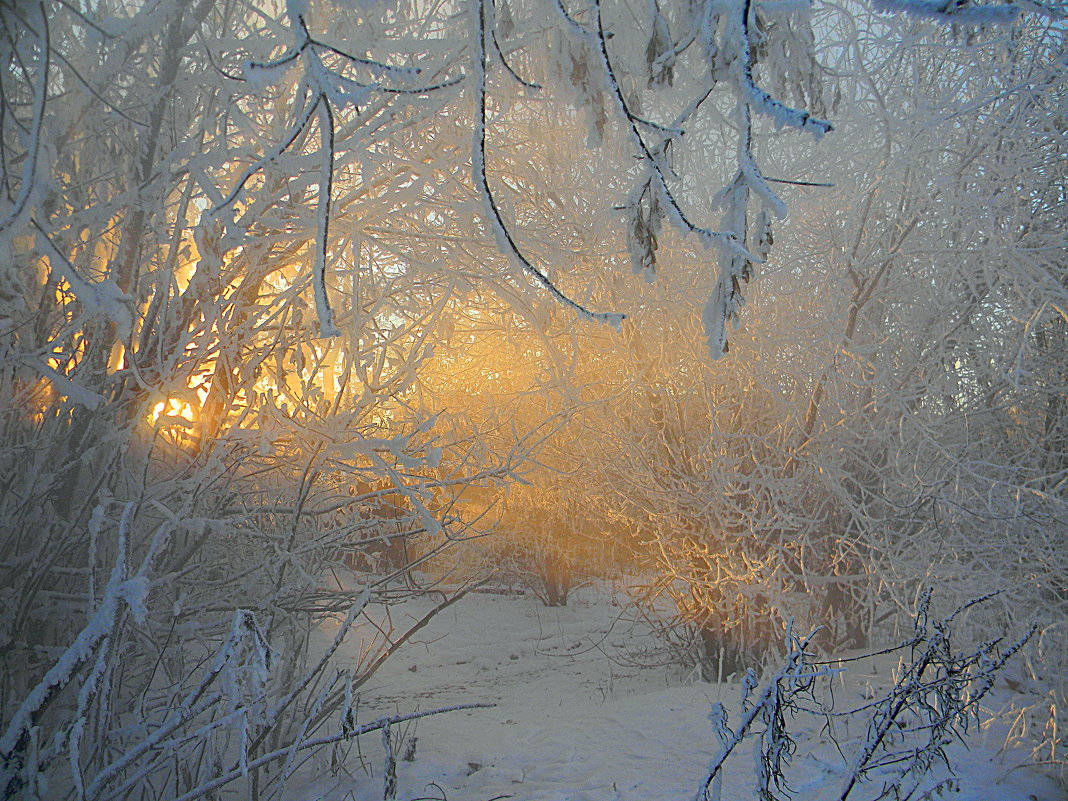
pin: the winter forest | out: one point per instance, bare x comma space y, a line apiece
553, 400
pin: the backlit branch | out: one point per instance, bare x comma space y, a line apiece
505, 241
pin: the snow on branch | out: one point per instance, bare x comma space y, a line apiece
505, 241
736, 257
759, 184
653, 157
327, 327
936, 692
16, 738
793, 674
756, 97
103, 298
31, 166
72, 390
273, 756
321, 90
354, 612
955, 12
270, 156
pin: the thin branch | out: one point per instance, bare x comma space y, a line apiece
494, 217
507, 66
727, 239
80, 15
367, 62
271, 155
97, 94
757, 97
392, 720
419, 90
796, 183
327, 327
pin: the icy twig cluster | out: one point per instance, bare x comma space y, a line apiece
934, 700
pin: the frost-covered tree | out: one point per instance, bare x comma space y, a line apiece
231, 236
892, 425
192, 483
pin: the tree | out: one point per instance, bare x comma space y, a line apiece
189, 189
171, 422
893, 394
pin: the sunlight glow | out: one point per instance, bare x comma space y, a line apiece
173, 411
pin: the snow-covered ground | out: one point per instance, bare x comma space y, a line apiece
576, 719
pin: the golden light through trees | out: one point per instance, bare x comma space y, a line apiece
301, 320
171, 410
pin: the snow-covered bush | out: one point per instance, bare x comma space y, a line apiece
165, 643
934, 701
893, 418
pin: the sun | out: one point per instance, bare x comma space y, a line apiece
172, 411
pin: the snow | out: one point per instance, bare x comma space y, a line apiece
714, 317
31, 167
577, 719
959, 11
97, 630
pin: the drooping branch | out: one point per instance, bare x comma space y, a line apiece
327, 327
505, 240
